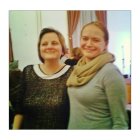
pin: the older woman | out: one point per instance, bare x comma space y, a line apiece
96, 87
43, 102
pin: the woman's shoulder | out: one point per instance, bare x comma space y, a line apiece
28, 68
110, 67
111, 71
67, 69
65, 72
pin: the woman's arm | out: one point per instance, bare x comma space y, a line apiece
18, 119
116, 95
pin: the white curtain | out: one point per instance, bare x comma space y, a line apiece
86, 16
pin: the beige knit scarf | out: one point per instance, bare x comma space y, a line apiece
83, 72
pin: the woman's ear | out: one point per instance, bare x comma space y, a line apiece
106, 46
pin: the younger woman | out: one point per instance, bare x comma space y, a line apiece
96, 87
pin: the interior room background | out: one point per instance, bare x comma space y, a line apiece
25, 27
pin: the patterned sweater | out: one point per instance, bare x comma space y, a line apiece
44, 101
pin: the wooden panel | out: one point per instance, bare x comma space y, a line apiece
128, 87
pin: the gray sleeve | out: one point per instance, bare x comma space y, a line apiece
116, 94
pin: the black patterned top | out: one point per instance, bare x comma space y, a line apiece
44, 101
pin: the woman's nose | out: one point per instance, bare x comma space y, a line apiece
49, 45
89, 43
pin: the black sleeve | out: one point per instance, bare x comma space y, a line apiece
16, 91
71, 62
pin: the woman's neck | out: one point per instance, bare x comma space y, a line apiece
51, 67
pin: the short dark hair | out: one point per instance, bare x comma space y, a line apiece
51, 30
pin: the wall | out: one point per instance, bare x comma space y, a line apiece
119, 26
23, 25
57, 20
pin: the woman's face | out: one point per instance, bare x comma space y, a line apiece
50, 47
92, 42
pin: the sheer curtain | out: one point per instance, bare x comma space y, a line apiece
86, 16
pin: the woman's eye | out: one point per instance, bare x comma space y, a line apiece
85, 38
44, 44
54, 43
96, 40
